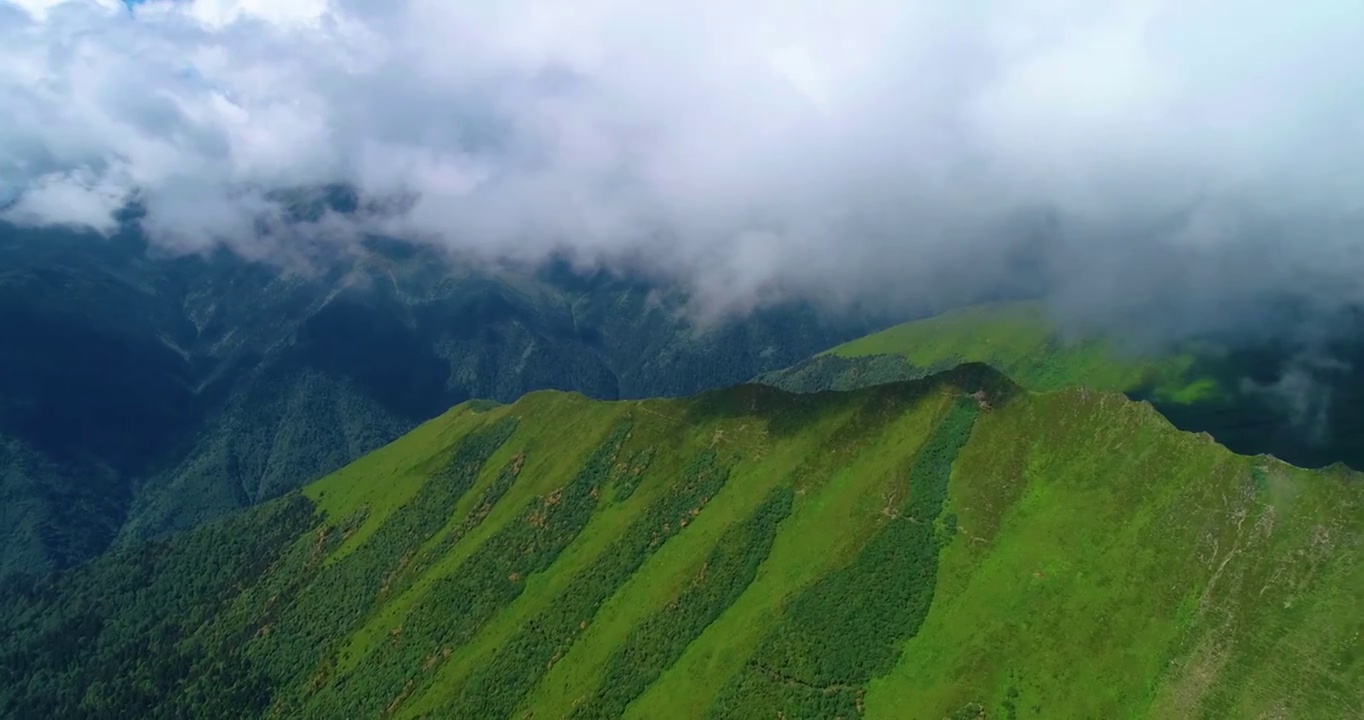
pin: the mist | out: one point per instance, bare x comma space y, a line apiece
1170, 167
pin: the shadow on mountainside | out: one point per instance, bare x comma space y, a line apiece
1276, 400
787, 413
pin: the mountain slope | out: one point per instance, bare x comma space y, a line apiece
1292, 401
142, 394
1014, 337
950, 547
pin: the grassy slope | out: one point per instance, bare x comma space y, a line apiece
1201, 386
1085, 559
1153, 575
1012, 337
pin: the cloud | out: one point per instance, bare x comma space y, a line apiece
1132, 159
1303, 391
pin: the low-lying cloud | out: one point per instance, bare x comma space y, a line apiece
1137, 158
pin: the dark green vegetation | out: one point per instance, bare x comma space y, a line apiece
657, 642
847, 627
457, 606
947, 547
1297, 402
117, 638
141, 394
496, 688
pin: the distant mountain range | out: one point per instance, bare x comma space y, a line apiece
141, 394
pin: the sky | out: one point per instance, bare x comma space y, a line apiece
1175, 161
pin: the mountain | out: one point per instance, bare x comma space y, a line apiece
1264, 396
953, 546
142, 393
1015, 337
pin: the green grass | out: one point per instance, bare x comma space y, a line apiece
382, 481
912, 550
657, 642
1085, 592
847, 627
1015, 338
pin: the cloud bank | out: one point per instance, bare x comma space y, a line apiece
1181, 159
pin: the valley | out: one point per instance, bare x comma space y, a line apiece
142, 393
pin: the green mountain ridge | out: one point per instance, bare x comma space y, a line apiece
954, 546
1017, 338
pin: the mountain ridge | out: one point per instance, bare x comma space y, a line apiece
551, 554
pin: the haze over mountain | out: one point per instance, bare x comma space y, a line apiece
252, 252
1152, 172
1164, 164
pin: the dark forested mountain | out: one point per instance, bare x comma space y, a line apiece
141, 394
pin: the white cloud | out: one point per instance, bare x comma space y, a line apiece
81, 197
297, 14
40, 9
749, 149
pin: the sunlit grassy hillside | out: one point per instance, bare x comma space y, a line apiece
1015, 338
1230, 391
948, 547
